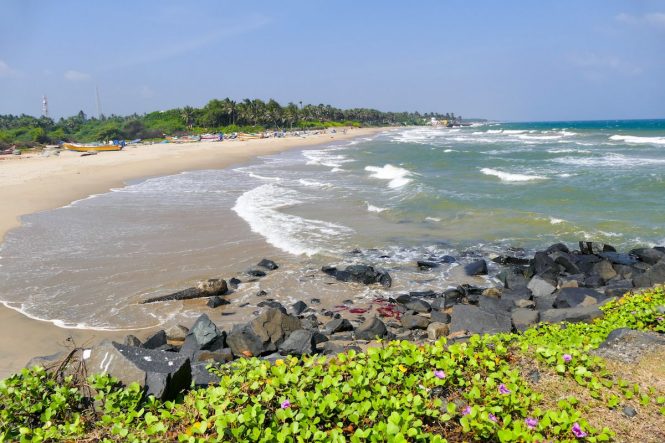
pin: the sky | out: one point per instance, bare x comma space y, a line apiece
504, 60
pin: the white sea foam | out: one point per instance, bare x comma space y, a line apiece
434, 219
325, 157
377, 209
397, 177
568, 151
556, 221
508, 177
449, 150
261, 177
611, 159
313, 183
632, 139
260, 208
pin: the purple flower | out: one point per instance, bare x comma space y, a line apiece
466, 411
531, 423
439, 374
579, 433
286, 404
492, 417
660, 319
567, 358
503, 389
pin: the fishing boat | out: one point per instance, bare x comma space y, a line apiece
88, 148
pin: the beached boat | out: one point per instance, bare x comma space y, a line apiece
212, 137
88, 148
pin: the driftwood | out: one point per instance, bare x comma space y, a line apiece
204, 288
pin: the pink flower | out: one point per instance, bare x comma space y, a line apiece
492, 417
567, 358
503, 389
286, 404
577, 431
466, 411
531, 423
439, 374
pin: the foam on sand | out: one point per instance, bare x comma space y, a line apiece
260, 206
397, 177
508, 177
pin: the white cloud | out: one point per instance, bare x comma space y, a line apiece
655, 19
76, 76
6, 70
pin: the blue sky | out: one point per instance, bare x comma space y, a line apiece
507, 60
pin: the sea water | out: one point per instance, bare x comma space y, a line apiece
403, 195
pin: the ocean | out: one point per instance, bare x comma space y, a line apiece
406, 194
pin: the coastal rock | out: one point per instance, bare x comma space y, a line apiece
478, 267
201, 377
585, 263
272, 304
618, 288
571, 297
545, 303
513, 278
263, 334
589, 247
426, 265
424, 294
521, 293
414, 321
203, 335
371, 329
255, 271
418, 306
437, 330
525, 304
540, 287
629, 345
440, 317
655, 275
544, 265
337, 325
618, 259
522, 319
131, 340
223, 355
177, 332
604, 270
566, 261
163, 374
216, 301
212, 286
364, 274
46, 361
492, 304
572, 315
299, 342
204, 288
298, 307
234, 282
650, 256
492, 292
557, 247
510, 260
593, 281
155, 340
476, 320
268, 264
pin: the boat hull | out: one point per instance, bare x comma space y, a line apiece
89, 148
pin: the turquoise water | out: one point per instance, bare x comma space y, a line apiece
404, 195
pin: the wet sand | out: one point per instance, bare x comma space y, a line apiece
30, 184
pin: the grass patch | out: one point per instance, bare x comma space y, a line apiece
481, 390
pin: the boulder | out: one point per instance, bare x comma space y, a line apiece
212, 286
585, 263
263, 334
572, 315
492, 304
268, 264
272, 304
618, 288
418, 305
545, 303
201, 377
371, 329
298, 307
650, 256
47, 361
440, 317
627, 272
653, 276
414, 321
571, 281
543, 264
618, 259
629, 345
426, 265
540, 287
557, 247
163, 374
521, 293
589, 247
337, 325
203, 335
216, 301
510, 260
593, 281
604, 270
299, 342
513, 278
223, 355
477, 320
566, 261
478, 267
525, 304
451, 297
177, 332
571, 297
437, 330
364, 274
155, 340
255, 271
522, 319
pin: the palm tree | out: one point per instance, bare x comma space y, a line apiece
187, 115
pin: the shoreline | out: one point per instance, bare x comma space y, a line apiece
34, 184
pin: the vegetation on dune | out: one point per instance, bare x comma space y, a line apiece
216, 116
398, 391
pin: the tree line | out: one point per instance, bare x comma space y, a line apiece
224, 115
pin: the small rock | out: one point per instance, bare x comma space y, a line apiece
177, 332
371, 329
268, 264
492, 292
437, 330
212, 286
478, 267
411, 321
440, 317
524, 304
522, 319
299, 342
255, 272
234, 282
298, 307
540, 287
337, 325
261, 293
418, 306
426, 265
216, 301
629, 411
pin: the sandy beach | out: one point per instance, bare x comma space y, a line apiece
32, 183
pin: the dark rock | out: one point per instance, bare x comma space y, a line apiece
557, 247
650, 256
371, 329
629, 345
132, 340
604, 269
202, 335
155, 340
627, 272
655, 275
478, 267
593, 281
177, 332
268, 264
298, 307
589, 247
447, 259
629, 411
566, 261
412, 321
299, 342
452, 297
332, 348
163, 374
424, 294
216, 301
540, 287
571, 281
167, 348
319, 337
618, 288
543, 264
272, 304
337, 325
256, 272
520, 293
425, 265
330, 270
477, 320
418, 306
571, 297
263, 334
509, 260
545, 303
513, 278
364, 274
522, 319
201, 377
618, 259
315, 301
234, 282
585, 262
572, 315
440, 317
223, 355
261, 293
492, 304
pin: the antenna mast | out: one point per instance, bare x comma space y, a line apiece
44, 106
